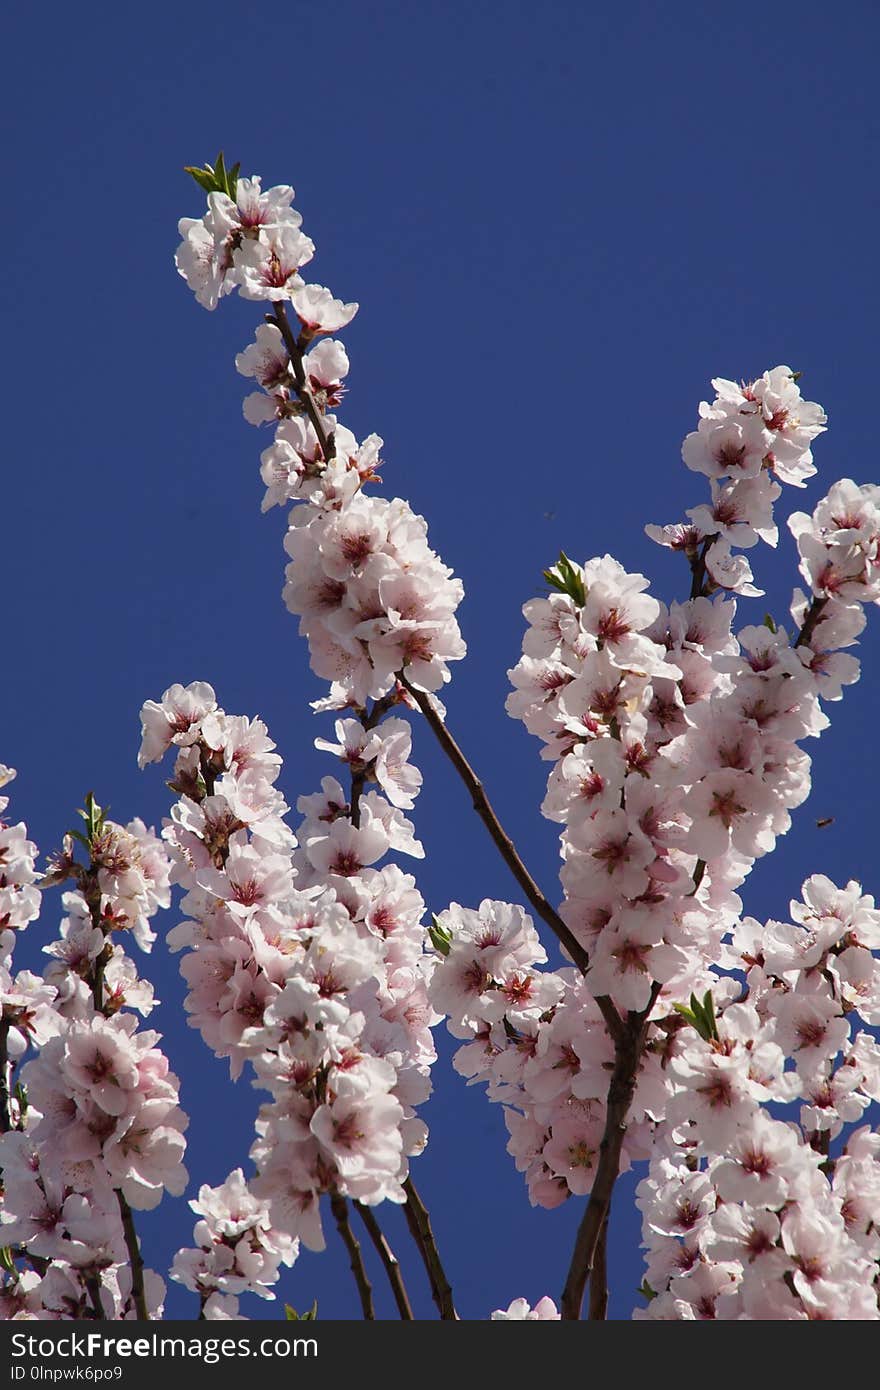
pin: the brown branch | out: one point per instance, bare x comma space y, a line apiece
358, 781
507, 849
5, 1112
326, 440
135, 1258
419, 1223
388, 1258
814, 613
369, 718
627, 1054
698, 568
339, 1207
599, 1275
91, 891
101, 961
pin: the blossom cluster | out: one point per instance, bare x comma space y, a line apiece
750, 439
93, 1128
236, 1249
372, 597
303, 959
320, 980
676, 763
763, 1195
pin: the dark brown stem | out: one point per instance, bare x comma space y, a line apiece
339, 1207
103, 956
388, 1258
303, 391
5, 1112
419, 1223
599, 1276
369, 718
93, 1285
135, 1258
814, 613
507, 849
628, 1050
91, 891
358, 781
698, 568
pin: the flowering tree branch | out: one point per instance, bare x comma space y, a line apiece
676, 763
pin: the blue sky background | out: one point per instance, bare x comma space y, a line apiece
560, 225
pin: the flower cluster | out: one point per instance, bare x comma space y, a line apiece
520, 1311
763, 1197
303, 959
94, 1128
307, 958
26, 1014
372, 597
676, 763
538, 1040
236, 1251
752, 437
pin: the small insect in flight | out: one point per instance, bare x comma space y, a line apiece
826, 820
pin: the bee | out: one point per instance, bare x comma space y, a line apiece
826, 820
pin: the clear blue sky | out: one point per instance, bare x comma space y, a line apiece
560, 223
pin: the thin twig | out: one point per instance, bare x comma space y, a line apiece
339, 1207
507, 849
388, 1258
484, 810
326, 440
627, 1054
135, 1258
419, 1223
